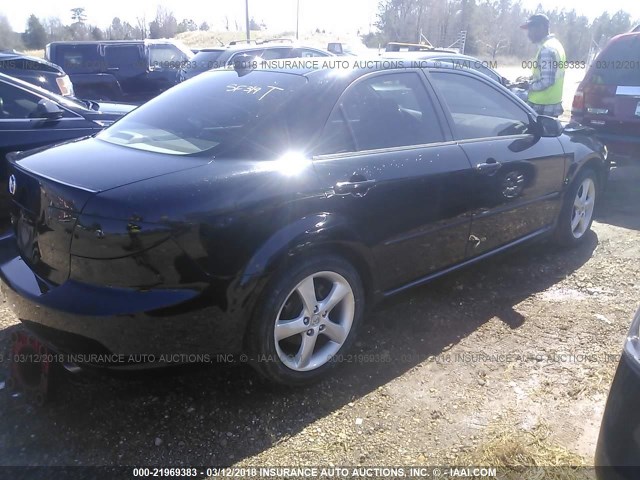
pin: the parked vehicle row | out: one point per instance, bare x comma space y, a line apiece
124, 71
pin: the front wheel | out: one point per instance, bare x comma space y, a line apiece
309, 315
576, 215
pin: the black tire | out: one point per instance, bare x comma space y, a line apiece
564, 234
260, 342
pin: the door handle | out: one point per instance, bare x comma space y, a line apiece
356, 188
490, 167
113, 69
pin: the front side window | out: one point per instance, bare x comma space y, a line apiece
385, 111
16, 103
217, 112
123, 57
479, 110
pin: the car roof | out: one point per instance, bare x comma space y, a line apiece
623, 35
5, 56
425, 55
147, 41
359, 65
260, 46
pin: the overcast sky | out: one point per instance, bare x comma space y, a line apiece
337, 16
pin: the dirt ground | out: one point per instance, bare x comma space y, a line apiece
521, 347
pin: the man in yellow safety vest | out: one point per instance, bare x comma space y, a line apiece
544, 87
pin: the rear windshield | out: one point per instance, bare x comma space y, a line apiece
619, 62
203, 61
218, 112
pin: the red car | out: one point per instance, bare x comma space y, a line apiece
608, 98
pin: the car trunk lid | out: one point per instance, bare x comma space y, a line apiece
49, 189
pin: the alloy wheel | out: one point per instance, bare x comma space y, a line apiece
583, 206
314, 321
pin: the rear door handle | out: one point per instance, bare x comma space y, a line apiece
355, 188
490, 167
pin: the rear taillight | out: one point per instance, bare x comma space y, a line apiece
578, 102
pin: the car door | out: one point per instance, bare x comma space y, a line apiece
126, 63
518, 174
393, 172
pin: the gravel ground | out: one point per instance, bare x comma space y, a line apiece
526, 341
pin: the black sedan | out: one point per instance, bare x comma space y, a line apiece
32, 117
36, 71
261, 211
618, 451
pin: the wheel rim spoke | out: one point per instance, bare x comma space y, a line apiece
307, 292
289, 328
575, 221
335, 332
336, 295
306, 351
578, 202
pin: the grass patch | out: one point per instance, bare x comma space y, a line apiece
519, 454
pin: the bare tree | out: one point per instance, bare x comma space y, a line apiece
142, 26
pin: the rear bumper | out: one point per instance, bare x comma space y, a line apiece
91, 322
624, 147
618, 145
618, 451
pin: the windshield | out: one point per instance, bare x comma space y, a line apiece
216, 111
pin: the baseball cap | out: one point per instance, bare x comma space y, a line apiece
539, 19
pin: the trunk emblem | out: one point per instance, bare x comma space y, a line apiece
12, 184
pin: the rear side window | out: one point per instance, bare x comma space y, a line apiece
307, 52
619, 63
389, 110
276, 53
203, 61
78, 58
478, 110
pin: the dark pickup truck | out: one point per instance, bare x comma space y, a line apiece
132, 71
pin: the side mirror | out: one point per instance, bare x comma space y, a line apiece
49, 110
548, 126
